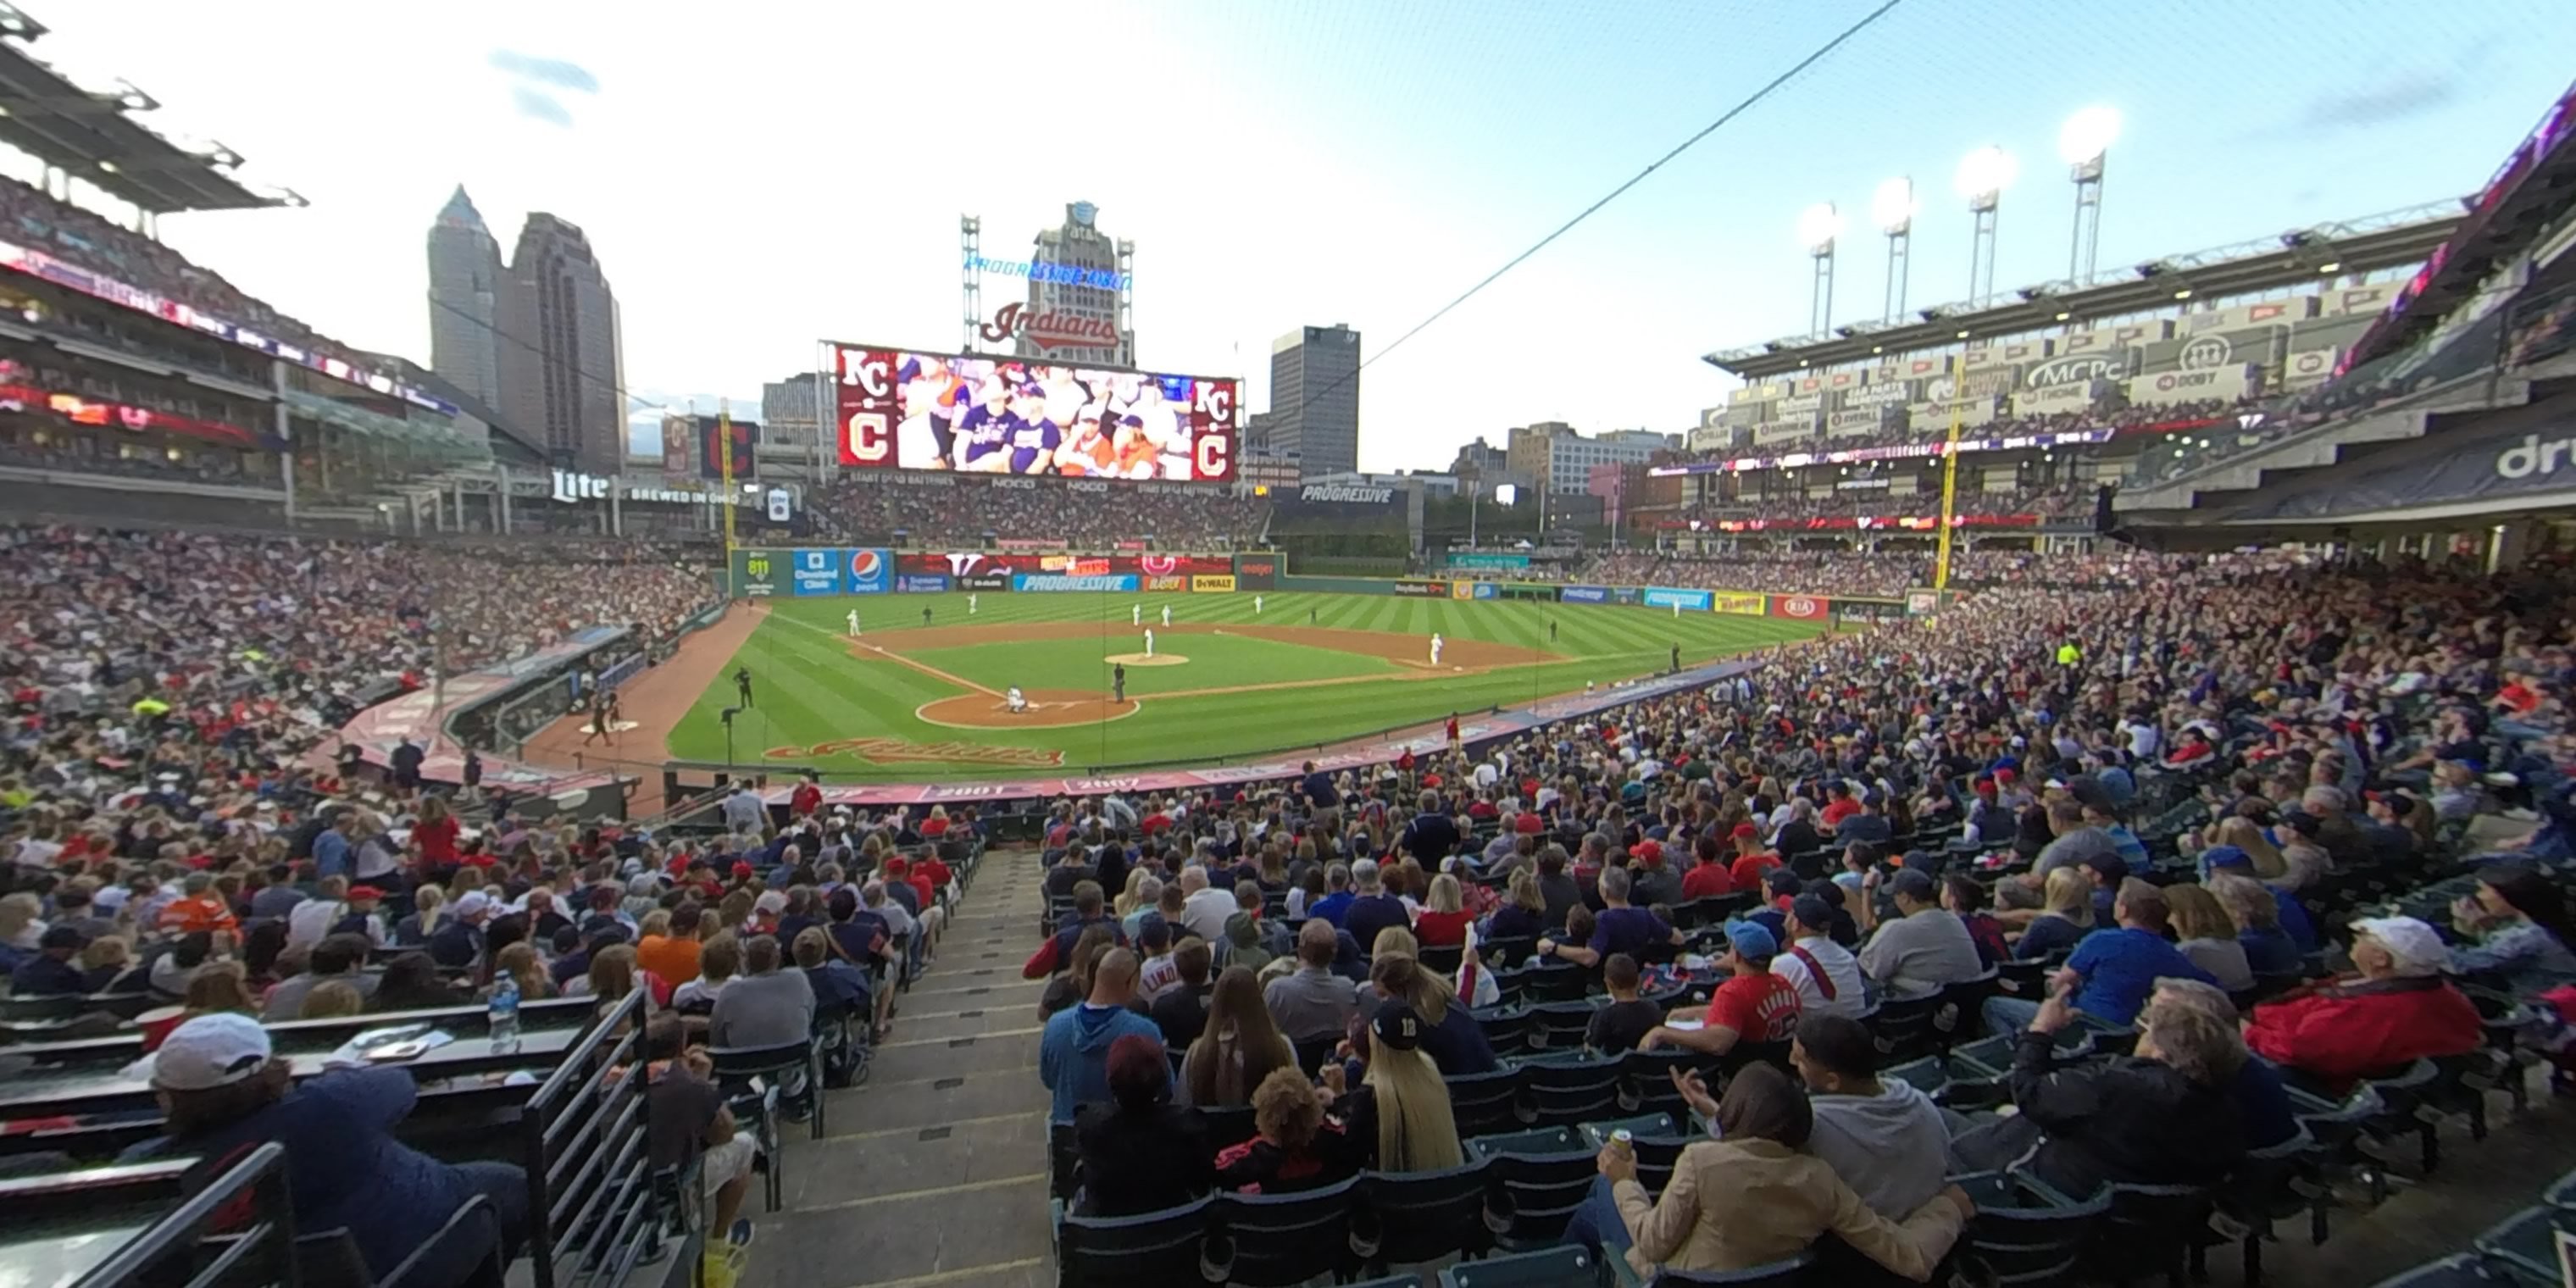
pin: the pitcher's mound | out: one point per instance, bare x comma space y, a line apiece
1048, 709
1146, 659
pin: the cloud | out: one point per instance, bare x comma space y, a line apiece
546, 71
2394, 99
538, 106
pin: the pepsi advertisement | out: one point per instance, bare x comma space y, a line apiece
841, 572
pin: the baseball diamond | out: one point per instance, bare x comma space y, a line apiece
906, 701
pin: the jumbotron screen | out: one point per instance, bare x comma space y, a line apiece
981, 415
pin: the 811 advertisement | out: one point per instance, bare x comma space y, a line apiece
919, 411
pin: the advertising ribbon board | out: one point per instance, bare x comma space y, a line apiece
1584, 594
1212, 585
1168, 585
1073, 581
1415, 589
917, 584
1256, 572
1805, 608
1737, 602
1473, 559
1689, 600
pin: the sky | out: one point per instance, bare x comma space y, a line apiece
757, 176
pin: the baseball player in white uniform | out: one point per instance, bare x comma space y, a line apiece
1135, 614
1167, 615
970, 605
854, 623
1436, 642
1149, 641
1256, 605
1017, 701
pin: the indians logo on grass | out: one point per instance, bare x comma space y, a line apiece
893, 751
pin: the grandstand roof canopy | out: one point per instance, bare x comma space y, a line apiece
88, 133
2306, 255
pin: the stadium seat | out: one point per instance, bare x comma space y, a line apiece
1279, 1240
2466, 1270
1559, 1026
2262, 1189
2150, 1229
1547, 1173
1443, 960
1544, 1268
1646, 1084
1228, 1126
1507, 1028
1483, 1103
2024, 1233
1163, 1247
2524, 1246
1410, 1217
1777, 1274
1959, 1016
1572, 1088
1901, 1027
1657, 1141
1554, 981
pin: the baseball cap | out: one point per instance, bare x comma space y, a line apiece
1650, 852
474, 904
771, 901
1913, 883
2224, 856
1744, 830
2416, 946
1812, 911
210, 1051
1750, 940
359, 894
1397, 1025
62, 937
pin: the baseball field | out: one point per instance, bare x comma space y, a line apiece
923, 690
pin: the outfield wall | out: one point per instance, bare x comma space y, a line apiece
813, 571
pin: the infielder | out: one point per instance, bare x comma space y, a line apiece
854, 623
970, 605
1135, 614
1149, 641
1167, 616
1256, 605
1436, 642
1017, 702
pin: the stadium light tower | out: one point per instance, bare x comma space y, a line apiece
1983, 175
2083, 142
1893, 209
1818, 226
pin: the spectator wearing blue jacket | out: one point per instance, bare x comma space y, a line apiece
1073, 1054
2114, 971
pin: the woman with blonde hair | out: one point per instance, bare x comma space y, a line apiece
331, 999
1521, 915
2245, 834
429, 905
1240, 1046
1444, 919
2207, 935
1130, 898
2065, 916
2249, 906
220, 986
107, 966
1401, 1104
22, 921
468, 879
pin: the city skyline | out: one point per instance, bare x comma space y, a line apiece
1385, 185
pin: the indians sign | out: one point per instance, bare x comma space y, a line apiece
1050, 331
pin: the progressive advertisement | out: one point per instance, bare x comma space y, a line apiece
1046, 581
1584, 594
899, 409
1696, 601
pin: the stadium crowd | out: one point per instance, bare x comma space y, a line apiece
2050, 502
2321, 721
1881, 573
1900, 432
963, 515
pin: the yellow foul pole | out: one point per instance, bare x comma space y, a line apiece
1949, 487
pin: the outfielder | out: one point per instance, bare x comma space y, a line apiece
854, 623
1149, 641
1436, 642
970, 605
1256, 605
1167, 615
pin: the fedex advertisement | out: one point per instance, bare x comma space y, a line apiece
920, 411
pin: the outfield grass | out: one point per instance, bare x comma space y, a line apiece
810, 689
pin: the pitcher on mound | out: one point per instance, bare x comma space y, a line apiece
1149, 641
1436, 642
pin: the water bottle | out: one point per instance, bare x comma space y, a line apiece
503, 1014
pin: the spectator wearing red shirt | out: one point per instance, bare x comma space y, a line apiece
1752, 862
1753, 1005
434, 833
1707, 876
935, 826
2399, 1011
807, 798
1841, 807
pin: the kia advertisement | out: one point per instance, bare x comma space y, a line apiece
921, 411
1806, 608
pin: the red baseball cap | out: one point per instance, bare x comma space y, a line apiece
364, 892
1650, 851
1745, 830
741, 870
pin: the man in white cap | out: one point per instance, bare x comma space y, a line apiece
2399, 1011
457, 944
222, 1093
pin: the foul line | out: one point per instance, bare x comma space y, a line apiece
879, 650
